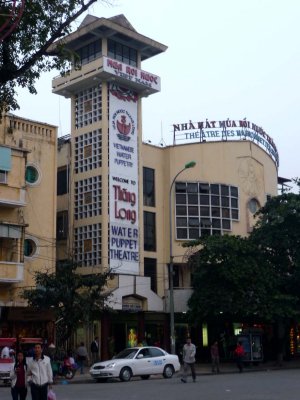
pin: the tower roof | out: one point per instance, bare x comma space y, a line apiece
116, 28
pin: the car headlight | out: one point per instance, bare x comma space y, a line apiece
111, 365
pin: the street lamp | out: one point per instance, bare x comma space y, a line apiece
188, 165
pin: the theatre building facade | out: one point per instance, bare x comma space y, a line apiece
116, 194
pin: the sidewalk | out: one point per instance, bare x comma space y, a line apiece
201, 369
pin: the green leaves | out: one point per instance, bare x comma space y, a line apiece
73, 297
24, 53
258, 276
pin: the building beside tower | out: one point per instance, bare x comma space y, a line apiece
28, 152
114, 190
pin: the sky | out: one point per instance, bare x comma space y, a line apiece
225, 59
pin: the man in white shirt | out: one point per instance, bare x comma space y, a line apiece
40, 372
189, 352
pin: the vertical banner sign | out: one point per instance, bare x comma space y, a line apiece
123, 181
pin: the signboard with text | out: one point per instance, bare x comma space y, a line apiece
131, 74
209, 131
123, 181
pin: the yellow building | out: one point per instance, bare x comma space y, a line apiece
116, 193
28, 151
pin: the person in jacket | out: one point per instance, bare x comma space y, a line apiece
18, 376
95, 349
189, 352
40, 374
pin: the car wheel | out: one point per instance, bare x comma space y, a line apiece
168, 371
145, 377
125, 374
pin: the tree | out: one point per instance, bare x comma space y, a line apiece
230, 278
74, 298
277, 235
24, 52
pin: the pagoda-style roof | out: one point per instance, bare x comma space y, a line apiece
117, 28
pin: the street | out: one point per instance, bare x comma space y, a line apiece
267, 385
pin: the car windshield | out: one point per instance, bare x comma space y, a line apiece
127, 353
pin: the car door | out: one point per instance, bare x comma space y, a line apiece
157, 361
141, 362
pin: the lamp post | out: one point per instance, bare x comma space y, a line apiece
188, 165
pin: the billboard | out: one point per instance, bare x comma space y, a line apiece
123, 181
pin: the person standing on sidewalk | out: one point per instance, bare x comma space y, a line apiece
95, 350
239, 354
18, 376
215, 358
82, 356
189, 353
41, 375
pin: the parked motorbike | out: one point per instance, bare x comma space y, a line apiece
62, 369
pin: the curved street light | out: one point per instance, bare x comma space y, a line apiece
188, 165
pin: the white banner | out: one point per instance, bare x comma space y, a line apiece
123, 181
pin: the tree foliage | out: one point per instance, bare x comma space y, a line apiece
74, 298
229, 279
24, 52
254, 276
277, 235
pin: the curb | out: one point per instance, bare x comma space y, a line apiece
200, 371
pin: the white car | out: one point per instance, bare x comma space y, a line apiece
136, 361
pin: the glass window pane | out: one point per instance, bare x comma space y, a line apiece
226, 224
225, 213
180, 187
234, 191
193, 199
192, 187
193, 221
215, 200
181, 221
225, 201
194, 233
204, 211
181, 233
234, 203
215, 189
180, 199
216, 223
224, 190
205, 222
181, 210
204, 199
203, 187
235, 214
215, 212
193, 210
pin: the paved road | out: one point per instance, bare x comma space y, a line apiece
263, 385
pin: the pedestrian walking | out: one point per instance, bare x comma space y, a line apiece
239, 354
40, 374
82, 356
95, 349
18, 376
215, 358
188, 353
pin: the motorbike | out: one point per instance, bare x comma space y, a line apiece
62, 369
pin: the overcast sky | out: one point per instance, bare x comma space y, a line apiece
225, 59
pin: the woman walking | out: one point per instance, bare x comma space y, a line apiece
18, 376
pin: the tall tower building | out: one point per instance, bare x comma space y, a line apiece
103, 171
